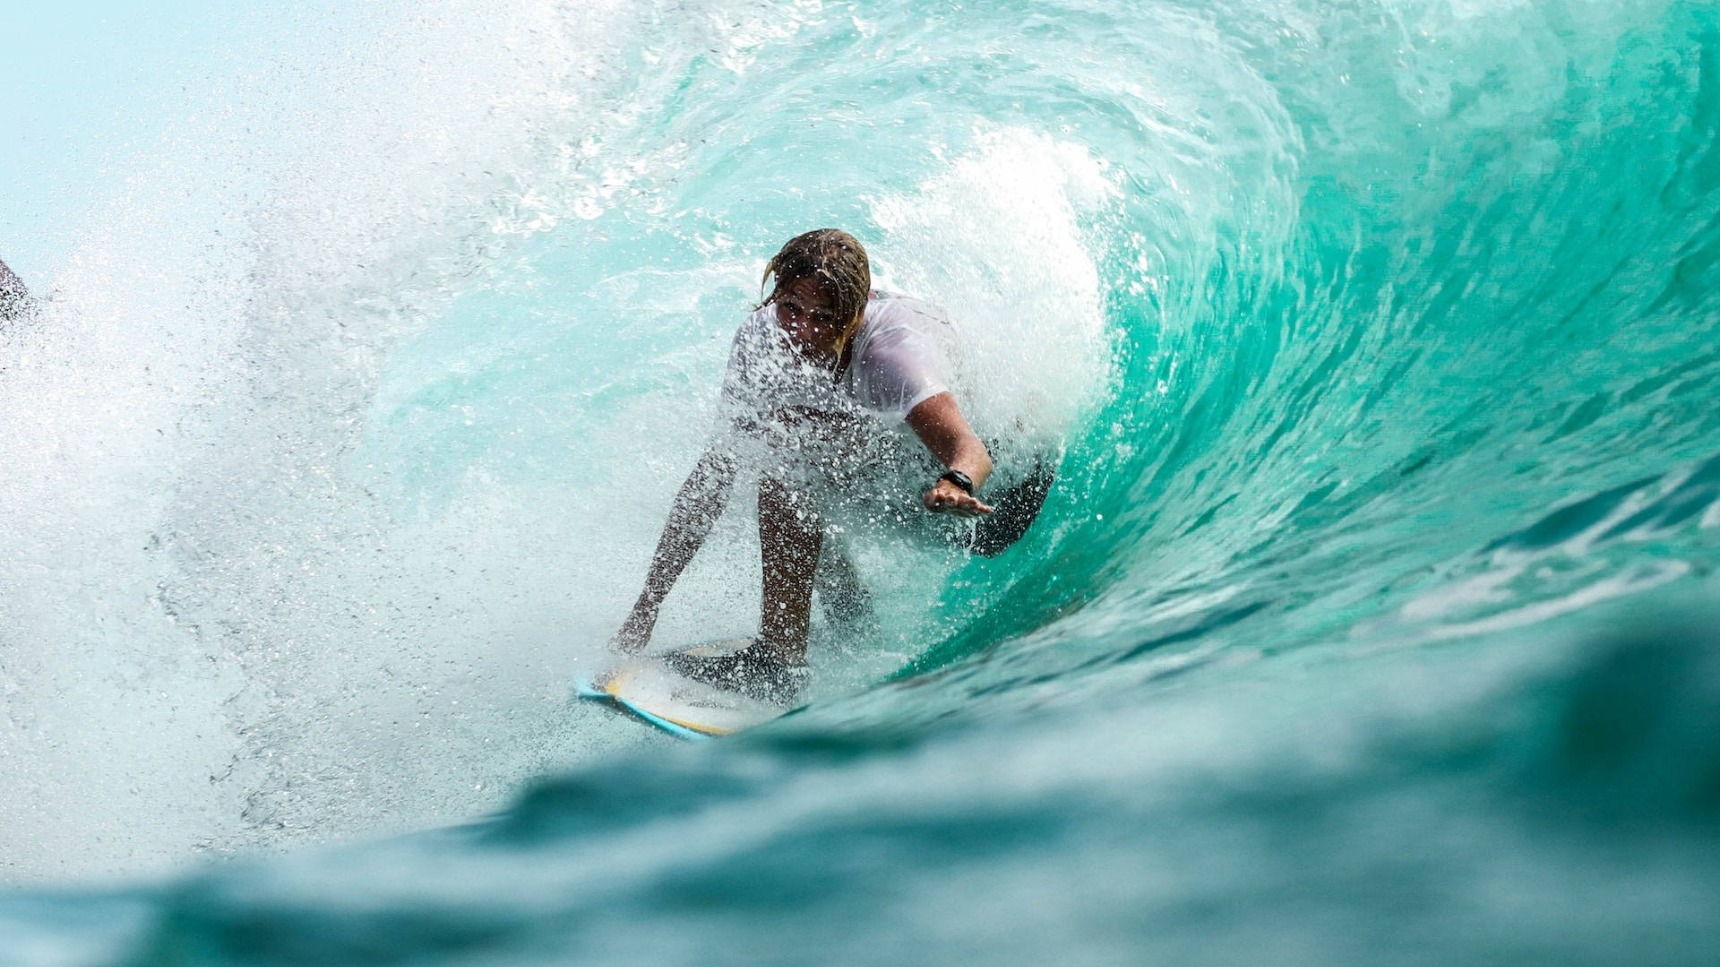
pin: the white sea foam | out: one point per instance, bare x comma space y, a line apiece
999, 238
195, 596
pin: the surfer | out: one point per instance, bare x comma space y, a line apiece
812, 372
14, 298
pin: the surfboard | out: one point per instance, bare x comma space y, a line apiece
648, 690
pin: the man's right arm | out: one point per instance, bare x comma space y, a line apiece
697, 506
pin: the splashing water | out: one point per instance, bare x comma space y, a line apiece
1367, 621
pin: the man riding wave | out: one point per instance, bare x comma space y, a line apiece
813, 373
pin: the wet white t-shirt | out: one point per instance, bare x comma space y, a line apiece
902, 356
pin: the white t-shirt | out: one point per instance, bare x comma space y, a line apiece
902, 356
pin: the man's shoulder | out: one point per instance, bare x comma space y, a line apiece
757, 323
887, 307
763, 315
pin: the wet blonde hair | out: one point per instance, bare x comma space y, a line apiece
838, 261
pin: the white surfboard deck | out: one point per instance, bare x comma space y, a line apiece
650, 691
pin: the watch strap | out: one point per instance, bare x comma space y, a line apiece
960, 479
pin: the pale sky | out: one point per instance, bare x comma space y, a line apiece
88, 83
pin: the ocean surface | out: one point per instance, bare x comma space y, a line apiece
1372, 619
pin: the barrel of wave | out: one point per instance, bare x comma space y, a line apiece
998, 238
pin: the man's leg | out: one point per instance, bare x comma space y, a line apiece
789, 540
844, 598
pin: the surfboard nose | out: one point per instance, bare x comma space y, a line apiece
1015, 510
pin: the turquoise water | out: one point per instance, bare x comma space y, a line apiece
1371, 619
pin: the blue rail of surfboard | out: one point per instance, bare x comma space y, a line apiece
590, 693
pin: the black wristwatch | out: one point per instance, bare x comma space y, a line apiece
960, 479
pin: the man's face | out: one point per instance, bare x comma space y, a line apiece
805, 313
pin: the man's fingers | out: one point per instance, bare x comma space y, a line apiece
962, 505
948, 498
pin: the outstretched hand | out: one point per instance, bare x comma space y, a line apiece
947, 498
